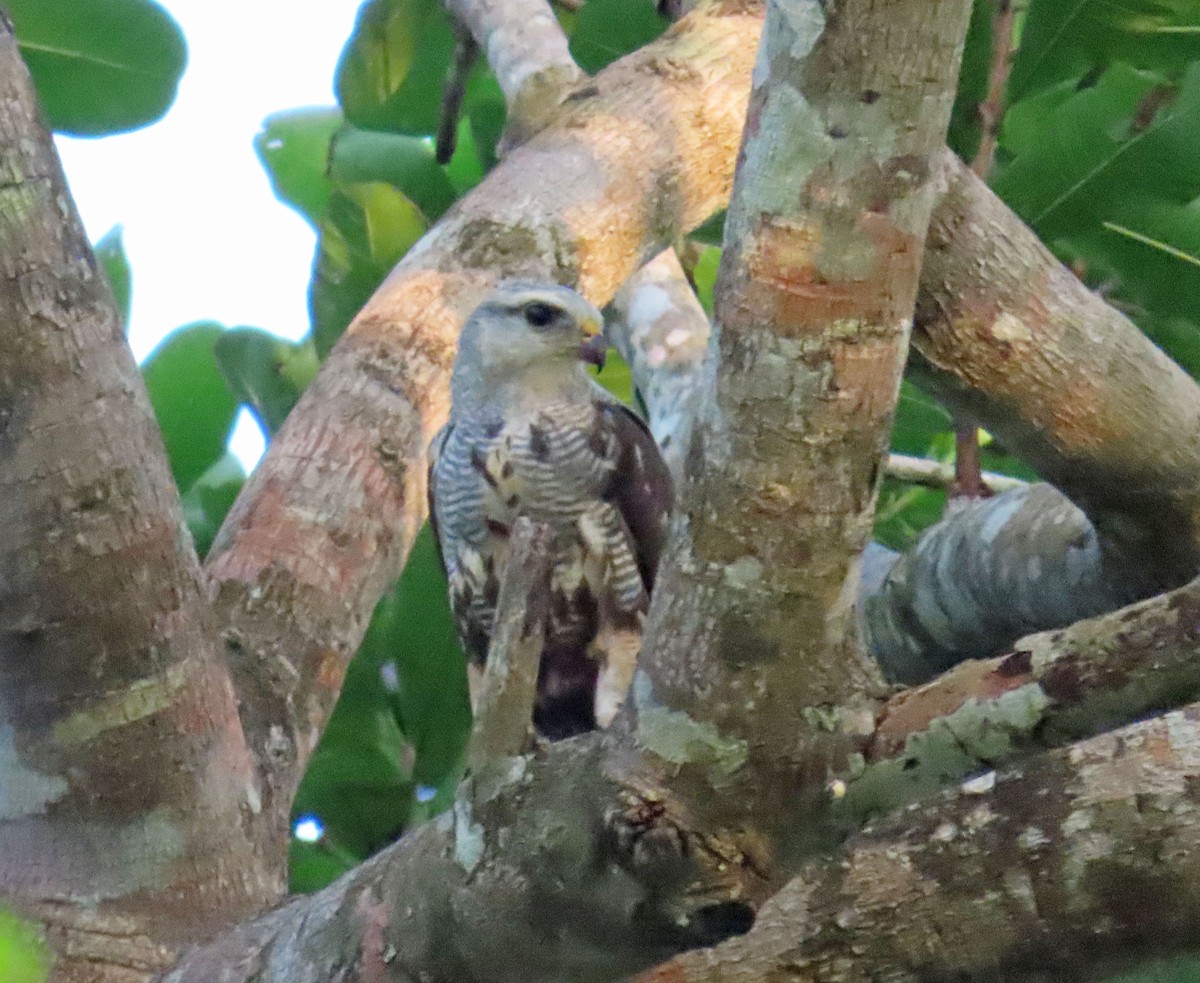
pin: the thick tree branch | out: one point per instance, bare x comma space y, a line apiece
571, 864
753, 614
1051, 689
1053, 870
124, 775
327, 519
1012, 338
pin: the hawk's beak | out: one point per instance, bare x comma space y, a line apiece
594, 346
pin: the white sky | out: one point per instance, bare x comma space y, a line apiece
205, 235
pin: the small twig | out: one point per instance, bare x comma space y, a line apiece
991, 110
968, 482
504, 715
934, 474
465, 53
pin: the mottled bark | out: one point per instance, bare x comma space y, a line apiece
753, 612
127, 793
1063, 868
327, 519
986, 574
1051, 689
570, 864
1009, 336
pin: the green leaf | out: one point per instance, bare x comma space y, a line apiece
264, 372
110, 252
100, 66
23, 956
465, 169
1109, 178
704, 276
606, 30
365, 231
1065, 39
486, 111
392, 753
407, 163
616, 377
920, 421
194, 406
392, 70
209, 499
293, 147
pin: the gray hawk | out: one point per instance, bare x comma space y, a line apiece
532, 434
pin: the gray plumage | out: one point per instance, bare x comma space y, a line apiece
530, 433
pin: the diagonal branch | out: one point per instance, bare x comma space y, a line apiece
660, 329
1009, 336
527, 52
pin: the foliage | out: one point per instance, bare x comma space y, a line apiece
23, 957
1098, 151
100, 66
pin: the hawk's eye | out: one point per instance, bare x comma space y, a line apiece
539, 314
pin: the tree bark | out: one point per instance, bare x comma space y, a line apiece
127, 792
1011, 337
752, 616
1066, 867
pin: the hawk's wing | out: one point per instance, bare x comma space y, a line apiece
640, 486
435, 450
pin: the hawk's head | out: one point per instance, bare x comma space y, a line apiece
524, 328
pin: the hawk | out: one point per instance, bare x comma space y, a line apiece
532, 434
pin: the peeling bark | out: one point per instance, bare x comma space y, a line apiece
127, 792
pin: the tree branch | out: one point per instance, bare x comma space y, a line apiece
1051, 689
989, 572
1010, 337
118, 727
752, 615
935, 474
660, 329
527, 51
1078, 859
